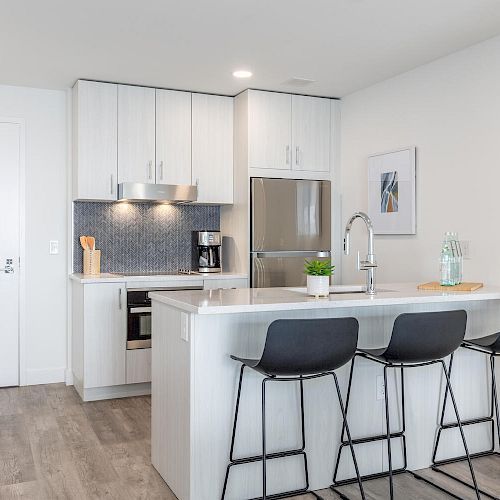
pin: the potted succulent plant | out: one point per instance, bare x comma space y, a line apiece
318, 277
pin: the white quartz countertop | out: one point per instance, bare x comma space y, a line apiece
120, 278
245, 300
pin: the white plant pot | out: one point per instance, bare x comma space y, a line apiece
318, 286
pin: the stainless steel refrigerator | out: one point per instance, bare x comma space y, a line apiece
290, 221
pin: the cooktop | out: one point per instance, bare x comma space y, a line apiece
161, 273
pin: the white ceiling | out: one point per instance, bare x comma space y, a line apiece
344, 45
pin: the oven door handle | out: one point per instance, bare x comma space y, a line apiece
137, 310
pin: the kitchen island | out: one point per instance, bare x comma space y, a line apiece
194, 384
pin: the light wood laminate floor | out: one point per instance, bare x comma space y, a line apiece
53, 446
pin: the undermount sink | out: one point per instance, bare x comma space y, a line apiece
335, 289
344, 289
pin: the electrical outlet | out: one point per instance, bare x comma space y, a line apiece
380, 388
53, 247
465, 246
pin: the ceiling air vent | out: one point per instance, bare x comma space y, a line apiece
299, 82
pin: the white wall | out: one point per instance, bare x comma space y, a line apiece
44, 112
450, 110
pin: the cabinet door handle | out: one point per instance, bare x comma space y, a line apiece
150, 170
297, 151
288, 155
119, 298
111, 186
161, 170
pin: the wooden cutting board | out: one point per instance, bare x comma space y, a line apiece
463, 287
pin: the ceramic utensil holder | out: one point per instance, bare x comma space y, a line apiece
91, 262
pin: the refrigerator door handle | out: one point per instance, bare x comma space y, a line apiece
298, 253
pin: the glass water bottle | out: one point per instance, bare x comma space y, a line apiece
446, 264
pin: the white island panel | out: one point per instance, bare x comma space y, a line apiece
195, 383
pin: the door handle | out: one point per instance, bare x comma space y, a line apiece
150, 170
161, 170
287, 155
297, 152
298, 253
119, 298
9, 266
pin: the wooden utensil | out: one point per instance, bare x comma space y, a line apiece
91, 242
84, 242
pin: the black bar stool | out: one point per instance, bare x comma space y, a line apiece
298, 350
418, 339
490, 346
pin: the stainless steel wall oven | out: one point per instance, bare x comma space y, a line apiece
139, 315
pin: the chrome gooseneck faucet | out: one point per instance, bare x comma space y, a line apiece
369, 263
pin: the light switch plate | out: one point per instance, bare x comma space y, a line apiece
54, 247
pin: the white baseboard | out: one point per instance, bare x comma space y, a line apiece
45, 376
114, 391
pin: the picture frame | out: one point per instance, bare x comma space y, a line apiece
392, 191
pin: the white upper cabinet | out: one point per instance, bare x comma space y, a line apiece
95, 136
212, 148
311, 133
136, 134
173, 137
269, 130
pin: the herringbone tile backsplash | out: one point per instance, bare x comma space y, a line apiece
141, 237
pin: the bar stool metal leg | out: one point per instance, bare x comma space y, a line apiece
494, 411
370, 439
286, 358
264, 438
388, 427
494, 396
233, 434
266, 456
346, 427
452, 397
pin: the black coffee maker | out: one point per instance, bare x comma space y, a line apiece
209, 251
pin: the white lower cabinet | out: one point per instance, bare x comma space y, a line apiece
102, 366
105, 330
99, 335
138, 366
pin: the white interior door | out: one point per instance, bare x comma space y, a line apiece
10, 163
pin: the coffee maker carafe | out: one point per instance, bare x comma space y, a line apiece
209, 251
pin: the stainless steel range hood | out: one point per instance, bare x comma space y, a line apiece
162, 193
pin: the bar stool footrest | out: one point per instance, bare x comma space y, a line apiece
286, 494
472, 421
370, 439
453, 460
368, 477
269, 456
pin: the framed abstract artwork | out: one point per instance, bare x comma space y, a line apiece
391, 191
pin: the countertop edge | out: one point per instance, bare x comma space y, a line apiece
432, 297
119, 278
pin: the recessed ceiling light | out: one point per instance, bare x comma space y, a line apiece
242, 73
